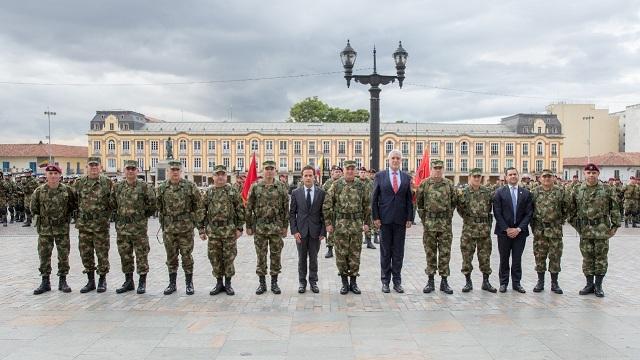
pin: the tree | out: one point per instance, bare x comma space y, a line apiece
312, 109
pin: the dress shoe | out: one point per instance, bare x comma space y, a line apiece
398, 288
503, 288
519, 289
385, 288
314, 288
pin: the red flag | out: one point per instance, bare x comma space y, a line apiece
423, 171
252, 176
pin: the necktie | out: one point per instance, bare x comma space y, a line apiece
514, 201
395, 182
309, 198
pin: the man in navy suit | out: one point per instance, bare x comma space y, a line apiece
307, 226
513, 209
392, 213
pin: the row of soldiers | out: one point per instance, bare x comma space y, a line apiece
15, 196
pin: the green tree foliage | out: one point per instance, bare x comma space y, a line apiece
313, 110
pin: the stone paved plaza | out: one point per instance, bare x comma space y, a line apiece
477, 325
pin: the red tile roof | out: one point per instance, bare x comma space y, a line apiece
42, 150
608, 159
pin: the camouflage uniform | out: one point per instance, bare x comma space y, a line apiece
11, 187
4, 200
631, 204
474, 206
549, 214
29, 186
326, 186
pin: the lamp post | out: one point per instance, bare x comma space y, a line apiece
49, 114
588, 118
348, 57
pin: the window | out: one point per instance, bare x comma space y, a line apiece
283, 163
495, 149
297, 148
226, 147
405, 164
140, 146
435, 148
554, 168
154, 146
211, 146
480, 164
554, 149
326, 147
479, 148
311, 162
464, 148
525, 149
111, 145
540, 149
154, 162
325, 164
358, 162
197, 145
342, 147
240, 164
312, 148
404, 146
96, 146
508, 151
125, 146
388, 146
197, 163
111, 163
357, 147
464, 167
268, 145
283, 146
508, 163
111, 126
495, 167
240, 146
125, 126
141, 163
449, 148
419, 148
297, 164
211, 164
254, 145
183, 161
525, 166
448, 165
539, 129
182, 145
418, 162
225, 162
539, 165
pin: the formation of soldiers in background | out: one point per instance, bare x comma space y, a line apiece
219, 215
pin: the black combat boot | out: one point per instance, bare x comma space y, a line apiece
28, 222
218, 288
589, 288
329, 253
188, 281
142, 284
469, 285
353, 286
554, 284
369, 243
127, 285
598, 287
444, 286
62, 284
376, 239
102, 284
262, 286
91, 283
45, 286
486, 285
430, 285
12, 215
345, 285
172, 284
540, 284
274, 285
227, 286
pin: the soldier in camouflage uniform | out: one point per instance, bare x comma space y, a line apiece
222, 223
180, 208
134, 201
474, 206
631, 202
336, 173
94, 208
5, 190
550, 203
436, 200
594, 212
11, 196
30, 185
347, 210
363, 175
267, 217
53, 203
19, 201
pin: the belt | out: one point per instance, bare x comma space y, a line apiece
184, 216
349, 216
593, 222
130, 219
438, 215
480, 219
88, 216
219, 222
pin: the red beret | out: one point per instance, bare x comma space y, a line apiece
53, 167
591, 167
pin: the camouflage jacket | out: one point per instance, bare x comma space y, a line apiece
94, 203
631, 196
28, 187
594, 210
474, 206
327, 184
133, 204
550, 208
347, 200
267, 208
53, 208
223, 212
436, 200
4, 192
179, 206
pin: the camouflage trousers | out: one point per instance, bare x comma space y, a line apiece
128, 245
468, 245
330, 241
45, 249
370, 233
348, 244
547, 247
94, 242
594, 256
271, 244
179, 244
437, 247
222, 253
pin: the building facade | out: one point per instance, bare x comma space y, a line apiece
17, 158
617, 165
529, 142
629, 125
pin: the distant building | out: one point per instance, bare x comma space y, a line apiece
16, 158
618, 165
629, 125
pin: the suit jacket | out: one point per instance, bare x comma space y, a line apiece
503, 210
390, 207
308, 222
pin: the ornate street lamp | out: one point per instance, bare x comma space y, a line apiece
348, 58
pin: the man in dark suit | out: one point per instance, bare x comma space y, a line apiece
392, 213
307, 226
513, 209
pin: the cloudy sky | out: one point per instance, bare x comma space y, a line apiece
179, 60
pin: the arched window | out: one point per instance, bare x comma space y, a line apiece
254, 145
183, 145
388, 146
111, 145
464, 148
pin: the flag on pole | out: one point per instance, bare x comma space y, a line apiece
320, 169
423, 171
252, 176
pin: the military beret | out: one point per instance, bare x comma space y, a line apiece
546, 172
336, 167
269, 163
131, 164
372, 171
591, 167
437, 163
475, 171
53, 167
362, 168
94, 160
175, 164
526, 176
349, 163
220, 169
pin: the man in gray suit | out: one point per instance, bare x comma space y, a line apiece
307, 226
